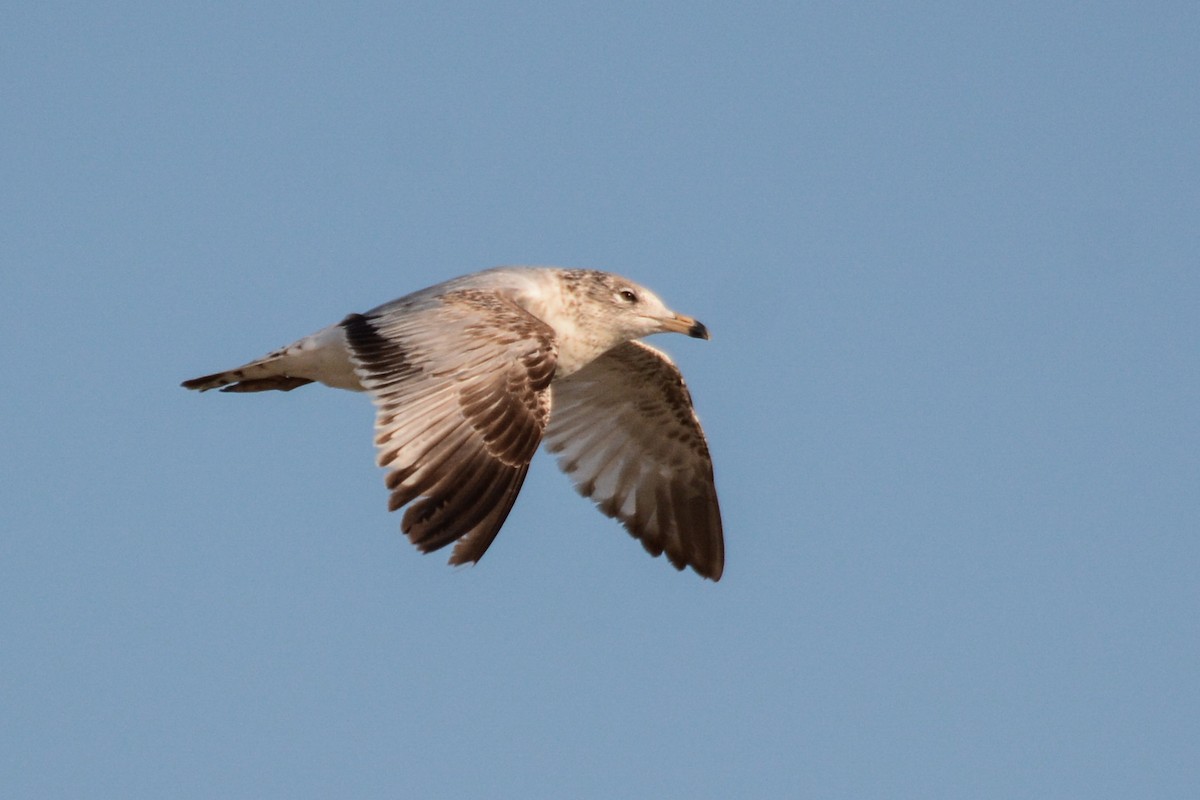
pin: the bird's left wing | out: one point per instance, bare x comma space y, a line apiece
460, 383
624, 429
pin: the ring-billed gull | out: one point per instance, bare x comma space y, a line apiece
470, 375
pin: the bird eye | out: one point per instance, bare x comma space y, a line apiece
628, 295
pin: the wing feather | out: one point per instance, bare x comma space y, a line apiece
625, 431
461, 388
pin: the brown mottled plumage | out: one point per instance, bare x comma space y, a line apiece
467, 376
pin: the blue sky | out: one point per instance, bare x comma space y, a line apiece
950, 258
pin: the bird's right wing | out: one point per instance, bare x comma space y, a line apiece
624, 429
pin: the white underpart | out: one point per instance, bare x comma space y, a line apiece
323, 356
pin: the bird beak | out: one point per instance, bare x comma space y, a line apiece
681, 324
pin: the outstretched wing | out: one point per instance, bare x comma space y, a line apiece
460, 385
624, 429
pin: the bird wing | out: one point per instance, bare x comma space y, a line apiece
624, 430
460, 386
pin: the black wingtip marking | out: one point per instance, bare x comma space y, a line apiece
373, 349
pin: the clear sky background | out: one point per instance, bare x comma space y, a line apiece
950, 257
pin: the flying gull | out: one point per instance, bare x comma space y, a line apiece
470, 375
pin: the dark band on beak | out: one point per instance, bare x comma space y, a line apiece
679, 323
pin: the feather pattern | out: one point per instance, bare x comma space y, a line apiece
463, 376
624, 430
462, 396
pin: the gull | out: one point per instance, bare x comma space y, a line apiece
469, 376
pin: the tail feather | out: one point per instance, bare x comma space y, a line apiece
283, 383
257, 376
214, 381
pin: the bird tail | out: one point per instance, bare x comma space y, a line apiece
263, 375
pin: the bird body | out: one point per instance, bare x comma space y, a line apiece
470, 375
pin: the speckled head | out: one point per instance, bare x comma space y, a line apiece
640, 311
